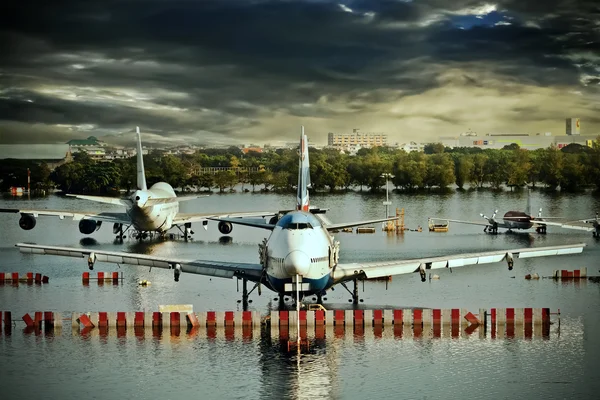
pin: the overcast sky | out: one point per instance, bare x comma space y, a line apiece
245, 71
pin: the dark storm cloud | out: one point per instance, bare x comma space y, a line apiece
227, 66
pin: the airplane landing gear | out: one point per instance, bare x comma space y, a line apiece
118, 230
541, 229
355, 299
246, 294
320, 298
187, 231
493, 229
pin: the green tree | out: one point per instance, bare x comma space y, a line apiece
463, 169
440, 170
173, 171
433, 148
495, 168
551, 167
224, 179
357, 171
512, 146
479, 174
517, 168
594, 164
573, 176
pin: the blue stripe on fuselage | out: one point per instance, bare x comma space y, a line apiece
316, 285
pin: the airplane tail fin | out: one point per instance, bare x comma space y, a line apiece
302, 199
528, 210
141, 176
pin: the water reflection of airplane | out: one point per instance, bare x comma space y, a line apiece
512, 220
287, 375
147, 210
300, 256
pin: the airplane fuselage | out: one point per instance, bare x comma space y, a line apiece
157, 217
517, 220
299, 245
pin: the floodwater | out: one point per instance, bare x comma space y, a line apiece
67, 364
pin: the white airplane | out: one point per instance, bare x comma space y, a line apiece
300, 255
147, 210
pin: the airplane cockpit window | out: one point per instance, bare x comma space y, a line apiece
298, 220
293, 225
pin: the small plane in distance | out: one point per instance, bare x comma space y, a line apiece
512, 220
154, 209
300, 254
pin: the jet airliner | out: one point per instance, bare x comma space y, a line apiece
300, 255
154, 209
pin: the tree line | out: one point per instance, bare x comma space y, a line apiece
572, 168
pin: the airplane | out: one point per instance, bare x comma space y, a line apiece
300, 255
147, 210
512, 220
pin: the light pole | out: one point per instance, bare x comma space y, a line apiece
387, 201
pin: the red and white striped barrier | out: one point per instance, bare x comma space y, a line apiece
29, 277
46, 319
166, 319
422, 317
505, 322
565, 274
527, 322
102, 277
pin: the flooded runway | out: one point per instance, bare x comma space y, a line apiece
384, 364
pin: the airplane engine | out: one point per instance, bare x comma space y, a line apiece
87, 226
27, 221
510, 261
225, 227
177, 272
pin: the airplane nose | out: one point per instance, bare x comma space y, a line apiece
297, 262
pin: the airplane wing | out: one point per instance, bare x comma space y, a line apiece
252, 272
342, 225
233, 217
344, 272
535, 222
166, 200
548, 223
578, 227
579, 224
240, 221
469, 222
103, 199
327, 226
113, 217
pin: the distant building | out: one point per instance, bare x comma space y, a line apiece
524, 140
573, 126
342, 141
246, 150
412, 146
